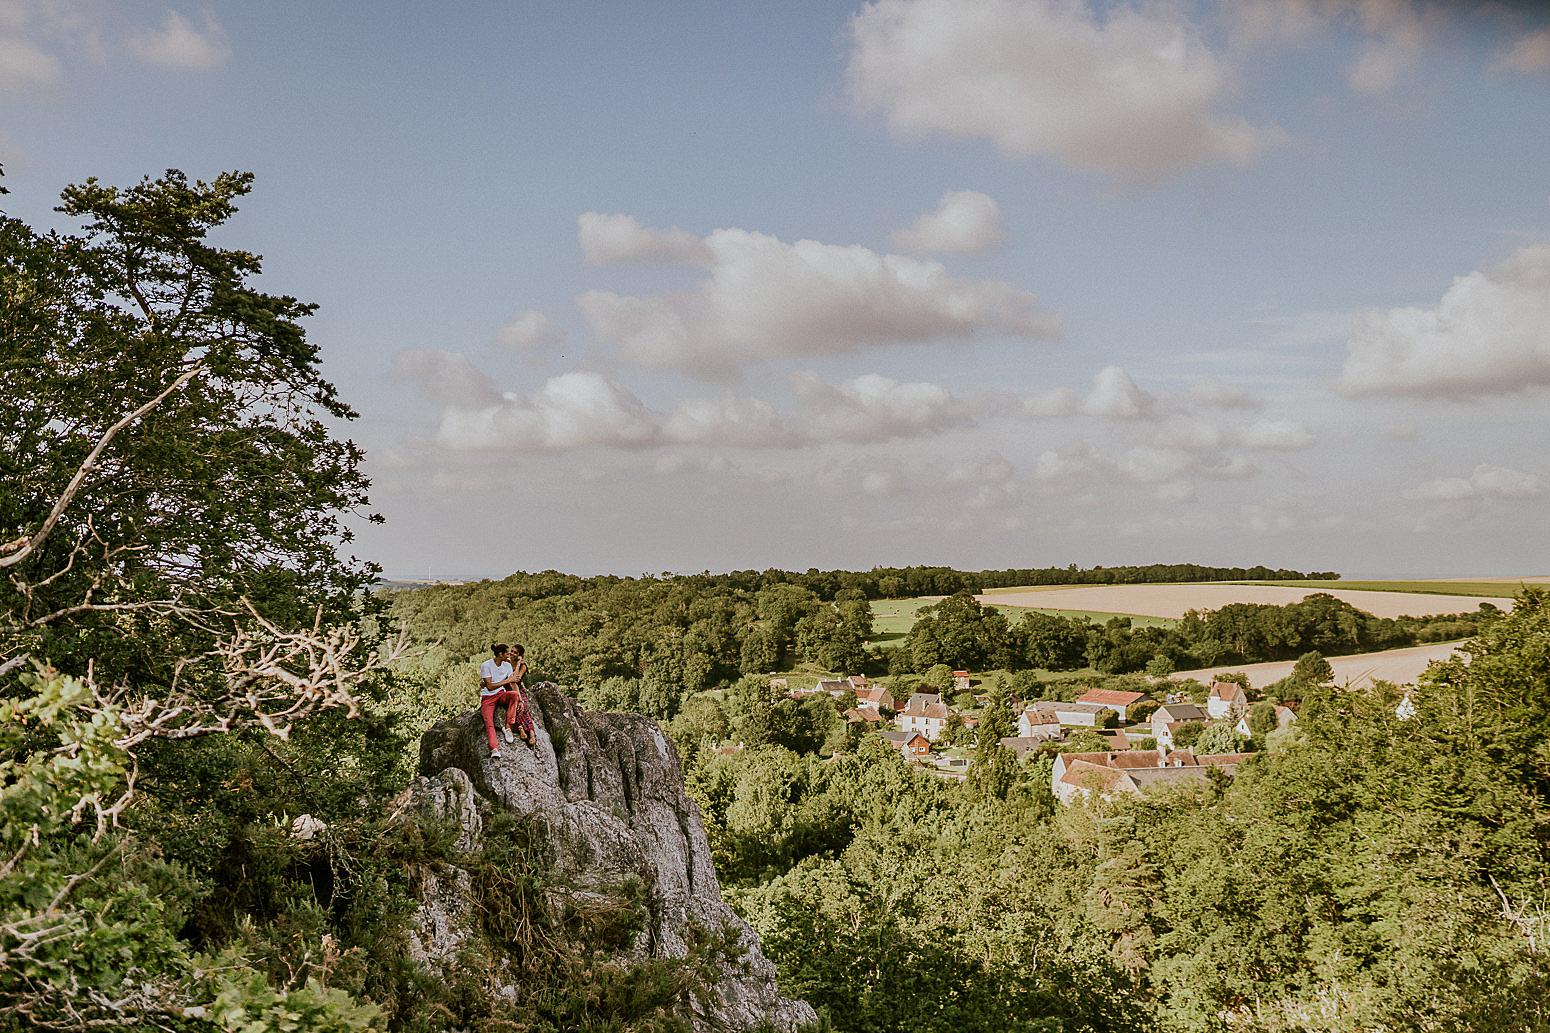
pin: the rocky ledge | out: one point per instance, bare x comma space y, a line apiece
610, 793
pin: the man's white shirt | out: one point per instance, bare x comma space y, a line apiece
491, 671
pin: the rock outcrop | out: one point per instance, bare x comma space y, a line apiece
609, 791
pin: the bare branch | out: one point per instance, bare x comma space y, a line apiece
14, 552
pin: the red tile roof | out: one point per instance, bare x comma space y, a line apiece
1114, 696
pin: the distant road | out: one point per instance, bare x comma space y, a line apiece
1174, 600
1400, 666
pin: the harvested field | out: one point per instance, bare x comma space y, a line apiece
1400, 666
1488, 587
1175, 600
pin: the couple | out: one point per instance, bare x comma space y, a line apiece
500, 681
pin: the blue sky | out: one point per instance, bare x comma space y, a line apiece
1228, 283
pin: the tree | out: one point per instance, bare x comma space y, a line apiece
174, 597
1083, 741
1187, 734
938, 678
1159, 667
1262, 719
1312, 669
1220, 738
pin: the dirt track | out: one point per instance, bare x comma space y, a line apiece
1400, 666
1174, 600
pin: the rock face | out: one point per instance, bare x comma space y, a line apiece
610, 792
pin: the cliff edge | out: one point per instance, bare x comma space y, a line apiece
608, 794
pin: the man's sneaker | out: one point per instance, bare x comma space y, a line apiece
507, 733
495, 754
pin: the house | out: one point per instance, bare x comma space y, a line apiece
910, 744
833, 686
929, 719
922, 699
1166, 719
858, 682
1285, 717
1034, 721
876, 697
1112, 773
1115, 737
1083, 715
863, 715
1226, 700
961, 681
1114, 699
1022, 745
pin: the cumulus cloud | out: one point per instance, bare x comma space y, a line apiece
582, 409
446, 376
964, 222
1115, 396
1397, 41
1217, 394
1136, 91
1057, 401
1276, 435
573, 410
765, 298
177, 43
615, 239
1489, 335
529, 330
1486, 482
1529, 53
23, 65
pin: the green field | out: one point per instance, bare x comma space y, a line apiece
1506, 589
893, 618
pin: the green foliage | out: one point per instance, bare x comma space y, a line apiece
1262, 719
1160, 667
1218, 738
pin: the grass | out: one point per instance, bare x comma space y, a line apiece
1475, 588
893, 618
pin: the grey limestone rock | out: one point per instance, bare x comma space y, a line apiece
610, 792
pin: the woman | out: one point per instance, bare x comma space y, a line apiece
518, 714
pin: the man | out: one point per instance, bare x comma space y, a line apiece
495, 676
518, 685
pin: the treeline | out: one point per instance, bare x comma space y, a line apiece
1363, 873
910, 582
960, 631
647, 643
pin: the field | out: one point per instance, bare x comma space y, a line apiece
1400, 666
893, 618
1478, 587
1175, 600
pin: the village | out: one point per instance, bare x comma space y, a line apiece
1146, 739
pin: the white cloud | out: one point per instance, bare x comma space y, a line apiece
1058, 401
1486, 481
1395, 47
765, 298
965, 222
1134, 92
1276, 435
613, 239
178, 44
1115, 396
1217, 394
1489, 335
582, 409
447, 377
23, 65
1529, 53
528, 330
573, 410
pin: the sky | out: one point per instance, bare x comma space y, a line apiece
629, 288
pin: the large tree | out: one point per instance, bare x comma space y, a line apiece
172, 601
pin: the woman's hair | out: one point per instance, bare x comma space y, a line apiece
519, 650
501, 647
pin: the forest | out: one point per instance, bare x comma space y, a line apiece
206, 711
650, 643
